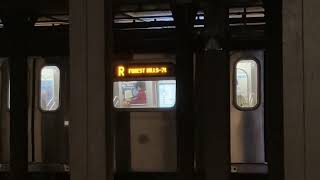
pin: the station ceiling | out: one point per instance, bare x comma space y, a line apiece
139, 23
60, 7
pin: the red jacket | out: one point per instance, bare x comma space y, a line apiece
141, 98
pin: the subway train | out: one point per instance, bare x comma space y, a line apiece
148, 137
145, 132
48, 124
150, 124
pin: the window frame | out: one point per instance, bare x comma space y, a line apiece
234, 84
39, 89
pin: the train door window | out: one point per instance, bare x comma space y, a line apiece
50, 88
144, 94
247, 84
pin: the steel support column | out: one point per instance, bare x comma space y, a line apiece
122, 142
90, 87
274, 91
18, 28
184, 16
213, 94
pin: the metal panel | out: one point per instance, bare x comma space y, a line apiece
247, 126
48, 129
153, 141
293, 86
311, 40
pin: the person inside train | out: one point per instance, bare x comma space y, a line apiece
140, 95
136, 95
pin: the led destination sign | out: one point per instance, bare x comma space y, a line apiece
144, 70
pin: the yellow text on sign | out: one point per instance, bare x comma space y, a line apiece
141, 71
121, 71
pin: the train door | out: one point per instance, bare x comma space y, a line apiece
153, 134
48, 124
247, 112
145, 135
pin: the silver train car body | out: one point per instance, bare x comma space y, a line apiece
153, 142
247, 120
48, 124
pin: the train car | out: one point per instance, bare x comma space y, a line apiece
48, 125
247, 125
146, 135
169, 91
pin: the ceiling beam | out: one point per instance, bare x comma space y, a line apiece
41, 7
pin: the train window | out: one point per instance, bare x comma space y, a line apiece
247, 84
144, 94
50, 88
